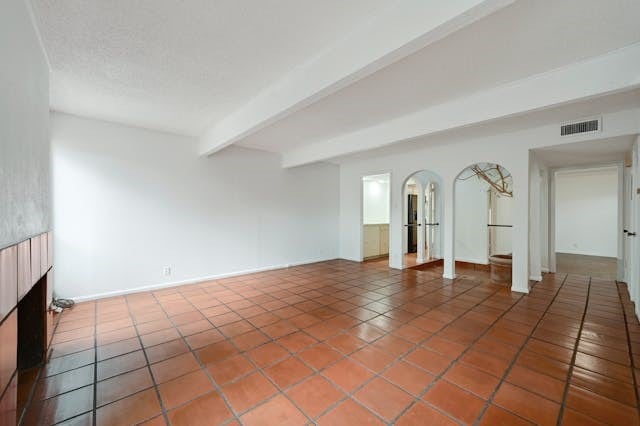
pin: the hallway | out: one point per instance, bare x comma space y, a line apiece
595, 266
340, 342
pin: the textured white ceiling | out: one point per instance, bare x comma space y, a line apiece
526, 38
179, 65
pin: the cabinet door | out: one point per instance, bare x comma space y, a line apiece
384, 239
371, 236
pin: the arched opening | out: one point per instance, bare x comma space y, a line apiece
483, 228
422, 207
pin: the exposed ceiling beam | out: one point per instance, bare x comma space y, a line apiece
404, 28
613, 72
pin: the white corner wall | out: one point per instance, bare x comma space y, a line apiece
587, 212
24, 127
130, 202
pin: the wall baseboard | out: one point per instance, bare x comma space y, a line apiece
581, 253
194, 280
545, 270
536, 278
476, 261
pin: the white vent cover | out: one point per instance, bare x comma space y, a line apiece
586, 126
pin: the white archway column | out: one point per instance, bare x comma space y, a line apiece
535, 235
448, 227
420, 226
520, 217
396, 225
552, 220
621, 237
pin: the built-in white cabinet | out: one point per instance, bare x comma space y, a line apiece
376, 239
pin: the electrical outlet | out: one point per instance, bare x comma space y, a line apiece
166, 271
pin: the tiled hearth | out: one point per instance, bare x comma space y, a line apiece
347, 343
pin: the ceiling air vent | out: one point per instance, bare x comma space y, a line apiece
581, 127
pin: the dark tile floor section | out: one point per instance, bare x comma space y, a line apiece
347, 343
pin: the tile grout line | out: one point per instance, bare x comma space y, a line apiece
379, 375
503, 379
573, 358
146, 357
456, 360
261, 370
316, 371
29, 402
273, 340
629, 348
437, 377
202, 366
388, 283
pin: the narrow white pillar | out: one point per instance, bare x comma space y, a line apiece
544, 220
621, 236
420, 225
396, 225
520, 231
448, 230
535, 235
552, 220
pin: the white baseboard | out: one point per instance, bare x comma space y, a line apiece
582, 253
535, 278
520, 290
476, 261
545, 270
449, 277
193, 280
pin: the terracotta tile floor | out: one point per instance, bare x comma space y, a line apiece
347, 343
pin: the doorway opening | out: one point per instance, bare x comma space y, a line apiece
376, 206
422, 208
483, 205
586, 221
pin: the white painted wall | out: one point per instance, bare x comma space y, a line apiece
587, 212
447, 155
129, 202
24, 127
375, 199
471, 218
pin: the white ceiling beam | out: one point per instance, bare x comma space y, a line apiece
404, 28
613, 72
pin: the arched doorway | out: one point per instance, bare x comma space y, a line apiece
483, 198
422, 208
